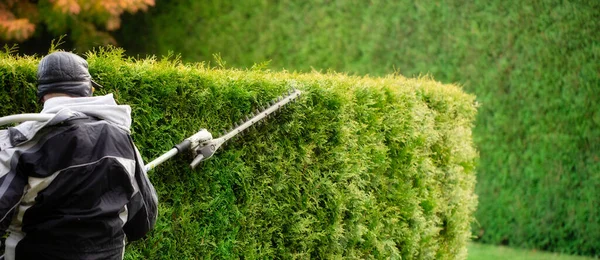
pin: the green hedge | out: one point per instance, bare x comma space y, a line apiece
359, 167
533, 65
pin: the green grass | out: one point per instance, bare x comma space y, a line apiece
489, 252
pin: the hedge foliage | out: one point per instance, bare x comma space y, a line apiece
358, 167
533, 65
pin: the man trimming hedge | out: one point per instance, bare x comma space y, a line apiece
73, 187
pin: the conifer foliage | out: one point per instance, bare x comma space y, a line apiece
357, 168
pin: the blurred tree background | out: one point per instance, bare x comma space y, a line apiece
534, 66
34, 24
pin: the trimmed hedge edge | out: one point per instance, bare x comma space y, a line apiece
358, 167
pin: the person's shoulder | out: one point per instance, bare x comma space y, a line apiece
102, 128
88, 132
4, 140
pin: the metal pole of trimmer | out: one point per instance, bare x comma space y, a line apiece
204, 146
193, 141
201, 143
25, 117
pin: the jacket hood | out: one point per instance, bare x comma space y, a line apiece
65, 108
102, 107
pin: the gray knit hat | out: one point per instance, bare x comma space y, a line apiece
64, 72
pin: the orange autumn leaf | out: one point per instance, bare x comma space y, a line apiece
16, 29
67, 6
113, 23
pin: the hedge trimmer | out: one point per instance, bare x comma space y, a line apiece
202, 144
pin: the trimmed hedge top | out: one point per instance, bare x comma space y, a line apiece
359, 167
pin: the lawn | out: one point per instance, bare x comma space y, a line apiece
489, 252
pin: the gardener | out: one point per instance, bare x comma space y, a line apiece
73, 187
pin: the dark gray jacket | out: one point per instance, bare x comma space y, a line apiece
74, 187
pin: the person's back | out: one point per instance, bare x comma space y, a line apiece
73, 187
